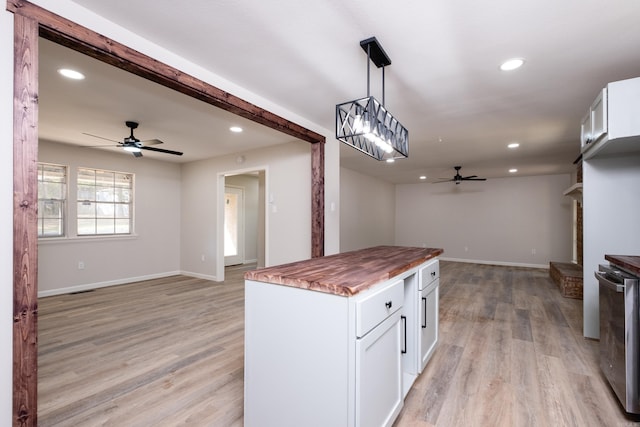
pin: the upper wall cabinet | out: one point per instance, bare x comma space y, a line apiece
612, 124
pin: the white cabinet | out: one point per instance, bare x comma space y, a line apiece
429, 325
428, 309
594, 124
318, 359
612, 124
379, 386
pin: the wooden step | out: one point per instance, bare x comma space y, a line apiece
568, 277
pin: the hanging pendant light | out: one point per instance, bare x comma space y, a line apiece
365, 124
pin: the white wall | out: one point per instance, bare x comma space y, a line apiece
611, 209
288, 222
249, 183
152, 251
497, 221
6, 217
367, 211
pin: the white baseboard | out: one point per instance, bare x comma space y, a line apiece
250, 261
506, 264
90, 286
200, 276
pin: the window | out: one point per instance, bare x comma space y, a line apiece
105, 202
52, 195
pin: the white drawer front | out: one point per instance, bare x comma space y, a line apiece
429, 273
375, 308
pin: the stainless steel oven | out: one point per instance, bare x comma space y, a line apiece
619, 328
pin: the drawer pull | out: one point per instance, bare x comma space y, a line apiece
424, 321
388, 304
404, 347
433, 274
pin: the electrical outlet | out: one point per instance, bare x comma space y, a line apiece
533, 251
466, 248
80, 265
202, 257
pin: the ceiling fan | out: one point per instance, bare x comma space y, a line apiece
459, 178
134, 145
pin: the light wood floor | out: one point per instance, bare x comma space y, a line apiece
169, 352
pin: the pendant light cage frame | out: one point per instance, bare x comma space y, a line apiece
365, 124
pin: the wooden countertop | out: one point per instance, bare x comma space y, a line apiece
347, 273
628, 262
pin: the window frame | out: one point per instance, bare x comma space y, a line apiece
64, 209
108, 203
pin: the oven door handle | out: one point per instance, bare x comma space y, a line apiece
608, 283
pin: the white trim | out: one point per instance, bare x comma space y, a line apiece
220, 214
506, 264
233, 260
89, 286
249, 261
85, 239
200, 276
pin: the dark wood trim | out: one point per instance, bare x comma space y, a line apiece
317, 200
25, 212
31, 21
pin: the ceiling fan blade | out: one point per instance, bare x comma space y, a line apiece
152, 142
101, 137
101, 146
161, 150
470, 176
474, 179
440, 182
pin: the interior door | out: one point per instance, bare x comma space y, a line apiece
233, 226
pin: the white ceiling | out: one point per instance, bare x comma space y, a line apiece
444, 84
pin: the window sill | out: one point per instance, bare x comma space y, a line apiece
85, 239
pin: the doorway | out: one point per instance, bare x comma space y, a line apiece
242, 217
234, 225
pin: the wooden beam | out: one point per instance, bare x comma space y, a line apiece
317, 200
25, 213
29, 22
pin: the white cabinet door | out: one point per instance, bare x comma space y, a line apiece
599, 116
378, 374
429, 319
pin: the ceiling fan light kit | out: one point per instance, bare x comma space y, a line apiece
365, 124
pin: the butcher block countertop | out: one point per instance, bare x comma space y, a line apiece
628, 262
347, 273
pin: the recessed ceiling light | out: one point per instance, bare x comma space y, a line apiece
423, 177
391, 160
513, 145
236, 129
71, 74
513, 170
512, 64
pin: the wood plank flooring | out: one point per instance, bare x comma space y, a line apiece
169, 352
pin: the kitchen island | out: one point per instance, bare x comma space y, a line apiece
339, 340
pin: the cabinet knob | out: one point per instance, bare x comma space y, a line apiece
433, 274
388, 304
